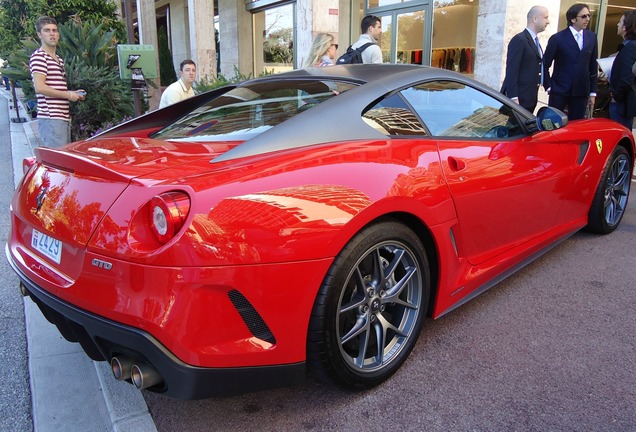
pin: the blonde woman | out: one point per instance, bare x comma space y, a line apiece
323, 51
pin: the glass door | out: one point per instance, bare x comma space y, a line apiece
406, 35
274, 39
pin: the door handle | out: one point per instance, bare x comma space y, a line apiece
456, 164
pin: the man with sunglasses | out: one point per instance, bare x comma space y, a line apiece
574, 51
49, 81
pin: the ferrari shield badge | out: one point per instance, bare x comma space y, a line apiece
599, 145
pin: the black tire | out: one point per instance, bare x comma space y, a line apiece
612, 193
375, 294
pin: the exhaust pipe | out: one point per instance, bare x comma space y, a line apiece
121, 367
144, 376
23, 290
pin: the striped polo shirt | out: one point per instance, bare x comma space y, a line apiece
49, 107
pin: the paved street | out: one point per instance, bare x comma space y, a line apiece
550, 348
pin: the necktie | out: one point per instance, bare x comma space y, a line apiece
579, 40
536, 41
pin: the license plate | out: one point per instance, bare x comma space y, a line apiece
47, 246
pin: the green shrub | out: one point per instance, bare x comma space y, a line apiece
206, 83
108, 98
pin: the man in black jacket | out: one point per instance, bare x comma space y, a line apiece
622, 81
524, 61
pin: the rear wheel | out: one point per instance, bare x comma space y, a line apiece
612, 194
370, 309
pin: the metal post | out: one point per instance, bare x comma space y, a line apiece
17, 119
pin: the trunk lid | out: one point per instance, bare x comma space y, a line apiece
65, 196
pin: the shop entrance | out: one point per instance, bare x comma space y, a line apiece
406, 34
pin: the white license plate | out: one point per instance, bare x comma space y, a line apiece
47, 246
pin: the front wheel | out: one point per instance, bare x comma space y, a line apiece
612, 194
370, 308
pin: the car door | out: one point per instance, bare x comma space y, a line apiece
507, 185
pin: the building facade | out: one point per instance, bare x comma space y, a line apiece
254, 36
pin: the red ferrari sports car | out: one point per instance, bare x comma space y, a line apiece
305, 220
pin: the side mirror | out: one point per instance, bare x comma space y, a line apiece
549, 118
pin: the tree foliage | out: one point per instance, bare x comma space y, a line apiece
278, 46
89, 53
17, 18
206, 83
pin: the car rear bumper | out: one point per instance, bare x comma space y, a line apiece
103, 339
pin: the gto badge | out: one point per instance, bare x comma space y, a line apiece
102, 264
599, 145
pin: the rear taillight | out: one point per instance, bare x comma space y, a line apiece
168, 213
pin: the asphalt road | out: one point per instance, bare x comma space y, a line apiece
552, 348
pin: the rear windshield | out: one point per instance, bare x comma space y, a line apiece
245, 112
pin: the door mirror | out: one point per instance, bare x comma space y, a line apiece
549, 118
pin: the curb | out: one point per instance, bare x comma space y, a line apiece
69, 391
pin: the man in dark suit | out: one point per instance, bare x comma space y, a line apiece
622, 81
574, 52
524, 61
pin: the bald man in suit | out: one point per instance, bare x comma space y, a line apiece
574, 51
524, 62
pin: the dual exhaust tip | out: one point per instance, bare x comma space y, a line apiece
140, 374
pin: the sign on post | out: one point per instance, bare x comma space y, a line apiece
146, 60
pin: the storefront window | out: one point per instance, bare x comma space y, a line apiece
380, 3
453, 49
404, 29
274, 39
611, 39
410, 35
385, 39
613, 10
594, 11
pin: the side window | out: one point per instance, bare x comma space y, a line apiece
455, 110
392, 116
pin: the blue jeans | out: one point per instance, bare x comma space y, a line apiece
54, 133
628, 122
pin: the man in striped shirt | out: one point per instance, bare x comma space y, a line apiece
49, 81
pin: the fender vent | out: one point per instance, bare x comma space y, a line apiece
583, 148
252, 319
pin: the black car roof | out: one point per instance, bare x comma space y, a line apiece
340, 118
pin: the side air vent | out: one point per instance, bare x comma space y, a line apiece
252, 319
583, 148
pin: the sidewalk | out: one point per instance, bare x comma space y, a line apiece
69, 392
